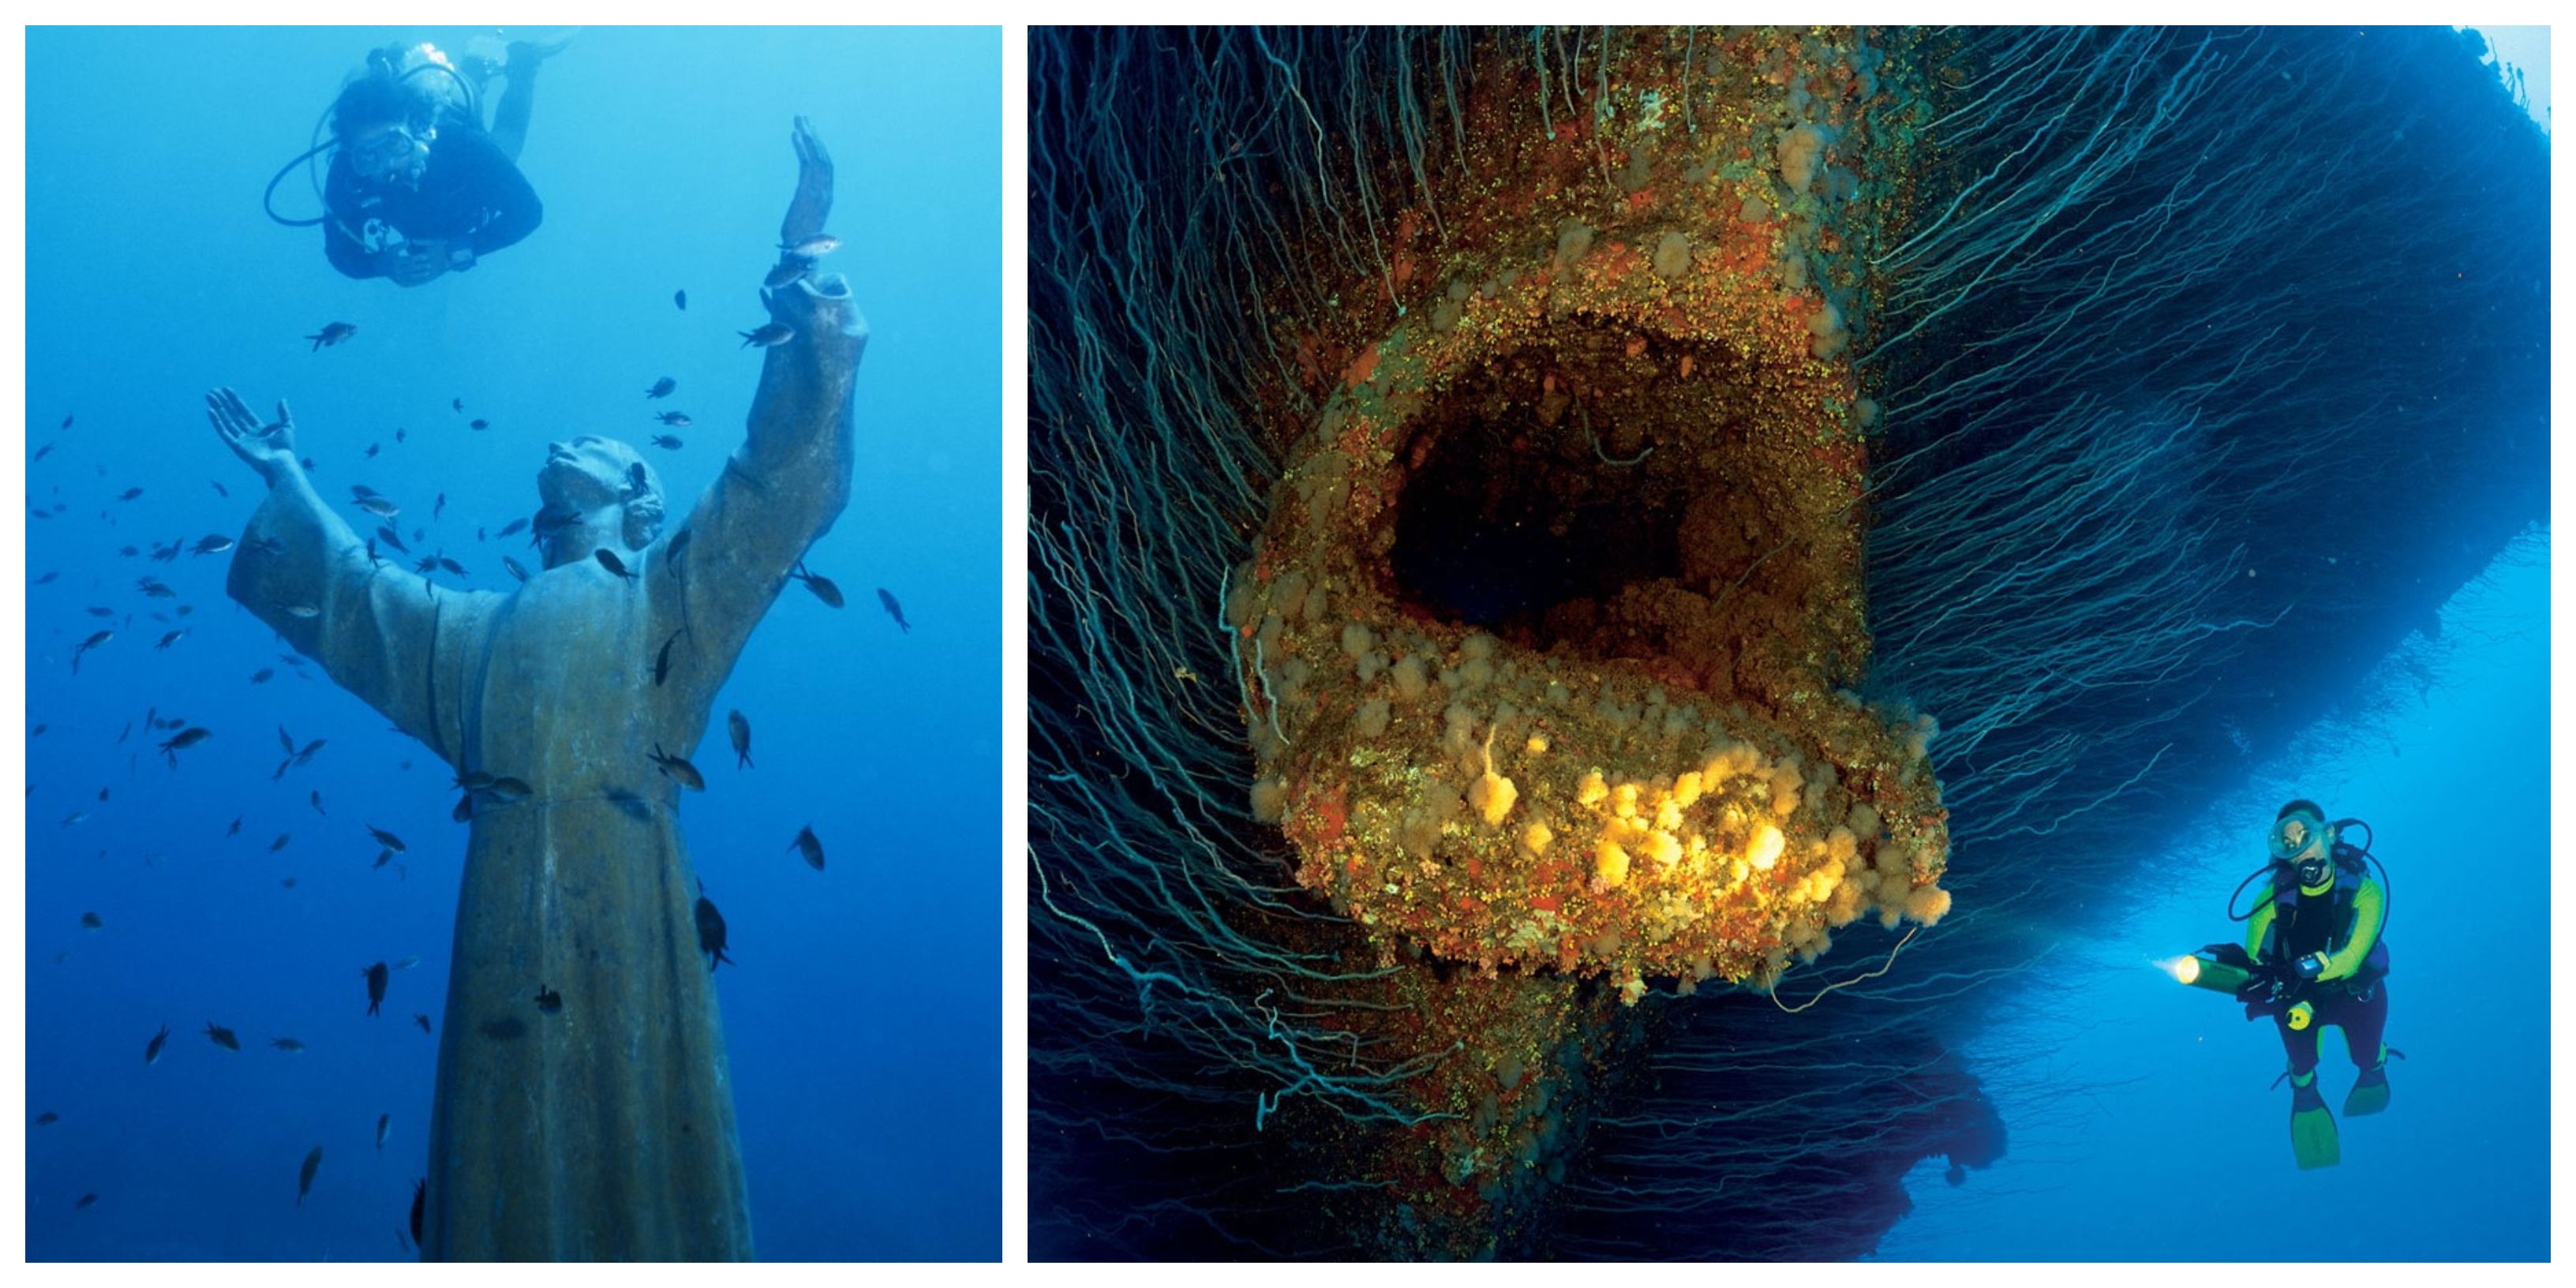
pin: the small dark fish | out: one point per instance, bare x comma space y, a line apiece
384, 1122
185, 739
548, 1000
287, 1045
84, 1201
680, 300
611, 562
221, 490
421, 1020
786, 270
767, 335
172, 638
170, 552
662, 388
263, 675
280, 842
235, 829
457, 403
711, 932
86, 645
316, 799
372, 449
304, 1179
383, 857
288, 882
381, 507
129, 494
385, 838
392, 538
221, 1036
155, 590
821, 586
211, 545
408, 962
376, 976
678, 770
48, 1118
809, 845
42, 453
38, 731
893, 609
512, 567
479, 425
668, 442
740, 729
419, 1203
331, 334
427, 564
814, 247
75, 818
90, 921
97, 611
514, 528
309, 749
662, 660
152, 1049
48, 578
453, 568
439, 508
675, 419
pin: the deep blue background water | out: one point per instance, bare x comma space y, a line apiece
2142, 1124
862, 1019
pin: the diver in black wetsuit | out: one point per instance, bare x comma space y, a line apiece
417, 187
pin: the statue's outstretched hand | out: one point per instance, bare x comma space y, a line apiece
813, 201
268, 449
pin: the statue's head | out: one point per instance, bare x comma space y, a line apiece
604, 486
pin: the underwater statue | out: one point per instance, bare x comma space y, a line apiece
584, 1109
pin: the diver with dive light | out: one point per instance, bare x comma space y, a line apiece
2314, 955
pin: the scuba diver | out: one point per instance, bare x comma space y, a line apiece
417, 186
2313, 956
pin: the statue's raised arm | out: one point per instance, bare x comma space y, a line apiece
782, 489
392, 638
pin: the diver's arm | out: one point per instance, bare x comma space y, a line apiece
2369, 905
501, 189
2256, 926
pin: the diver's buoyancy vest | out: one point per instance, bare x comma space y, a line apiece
2321, 923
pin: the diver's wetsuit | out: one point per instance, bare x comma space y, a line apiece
470, 194
2352, 992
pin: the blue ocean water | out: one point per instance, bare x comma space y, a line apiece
861, 1015
2143, 1124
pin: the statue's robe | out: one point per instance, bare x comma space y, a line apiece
604, 1130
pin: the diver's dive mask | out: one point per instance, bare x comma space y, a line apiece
398, 151
2303, 842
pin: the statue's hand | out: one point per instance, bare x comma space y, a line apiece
268, 449
813, 201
